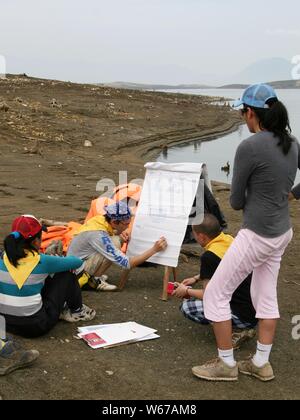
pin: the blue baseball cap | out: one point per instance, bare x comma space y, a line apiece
256, 96
118, 211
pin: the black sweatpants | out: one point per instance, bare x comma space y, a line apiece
58, 290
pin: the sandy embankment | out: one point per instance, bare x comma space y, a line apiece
45, 168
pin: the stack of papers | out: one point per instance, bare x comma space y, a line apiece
111, 335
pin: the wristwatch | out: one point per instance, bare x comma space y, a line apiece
187, 295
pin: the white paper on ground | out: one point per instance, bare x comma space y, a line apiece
166, 201
138, 327
146, 338
92, 328
121, 333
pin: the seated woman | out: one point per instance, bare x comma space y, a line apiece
37, 290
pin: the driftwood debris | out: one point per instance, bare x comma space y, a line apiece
49, 222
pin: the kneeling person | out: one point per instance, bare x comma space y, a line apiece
216, 243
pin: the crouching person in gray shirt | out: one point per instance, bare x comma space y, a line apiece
98, 244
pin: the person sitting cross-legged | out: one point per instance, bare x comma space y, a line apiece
37, 290
209, 236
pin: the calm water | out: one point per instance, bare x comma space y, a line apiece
217, 153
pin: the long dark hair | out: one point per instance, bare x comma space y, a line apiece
276, 120
15, 249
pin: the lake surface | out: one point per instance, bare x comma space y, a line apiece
217, 153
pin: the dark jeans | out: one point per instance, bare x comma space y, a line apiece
62, 288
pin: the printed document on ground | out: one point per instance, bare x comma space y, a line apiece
109, 335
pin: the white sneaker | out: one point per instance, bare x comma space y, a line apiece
100, 284
86, 314
104, 277
103, 286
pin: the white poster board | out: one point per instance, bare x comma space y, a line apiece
166, 201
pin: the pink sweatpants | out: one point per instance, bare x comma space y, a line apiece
248, 253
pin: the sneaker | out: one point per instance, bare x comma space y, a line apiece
264, 373
239, 338
85, 314
88, 282
101, 285
12, 357
216, 370
104, 277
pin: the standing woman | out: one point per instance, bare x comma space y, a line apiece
265, 168
37, 290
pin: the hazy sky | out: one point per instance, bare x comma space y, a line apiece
166, 41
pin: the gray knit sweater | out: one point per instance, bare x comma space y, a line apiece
262, 180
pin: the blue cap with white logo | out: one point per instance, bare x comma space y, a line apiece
256, 96
118, 211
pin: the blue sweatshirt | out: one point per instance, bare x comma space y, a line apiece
27, 301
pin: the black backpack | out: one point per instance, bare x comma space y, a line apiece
210, 206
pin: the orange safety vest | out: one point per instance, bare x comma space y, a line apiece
129, 192
59, 233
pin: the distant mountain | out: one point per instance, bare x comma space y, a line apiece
286, 84
141, 86
233, 86
268, 69
283, 84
